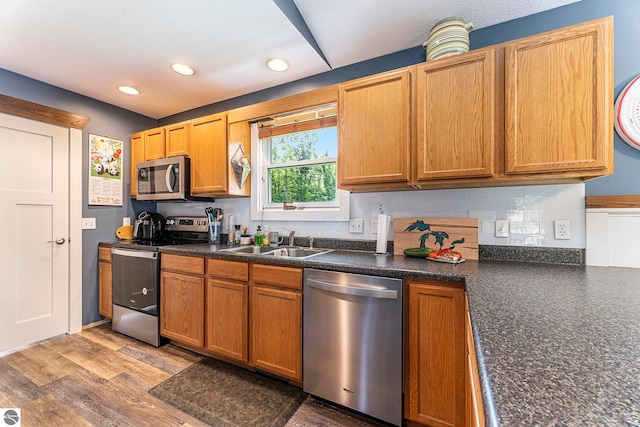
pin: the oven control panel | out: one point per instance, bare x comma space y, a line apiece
198, 224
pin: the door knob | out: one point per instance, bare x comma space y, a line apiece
57, 241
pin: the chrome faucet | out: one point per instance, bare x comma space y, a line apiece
310, 238
292, 233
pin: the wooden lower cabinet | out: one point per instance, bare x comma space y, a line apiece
276, 320
105, 282
227, 309
435, 389
475, 405
182, 291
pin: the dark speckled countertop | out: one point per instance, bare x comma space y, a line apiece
557, 345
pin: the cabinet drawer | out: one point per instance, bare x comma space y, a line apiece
275, 275
104, 254
186, 264
224, 269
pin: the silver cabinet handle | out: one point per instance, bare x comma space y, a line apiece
358, 290
59, 241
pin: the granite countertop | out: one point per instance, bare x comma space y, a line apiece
556, 344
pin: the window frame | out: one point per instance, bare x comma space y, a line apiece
318, 211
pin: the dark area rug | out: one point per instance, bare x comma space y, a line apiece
221, 394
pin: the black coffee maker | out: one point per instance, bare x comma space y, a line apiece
148, 226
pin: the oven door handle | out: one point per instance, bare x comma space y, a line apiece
358, 290
135, 254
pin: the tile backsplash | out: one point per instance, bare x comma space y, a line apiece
530, 211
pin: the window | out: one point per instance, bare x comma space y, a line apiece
296, 171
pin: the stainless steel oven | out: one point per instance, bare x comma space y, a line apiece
136, 277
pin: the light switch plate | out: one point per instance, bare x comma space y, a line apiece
88, 223
502, 228
356, 226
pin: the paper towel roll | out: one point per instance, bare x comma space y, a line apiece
383, 233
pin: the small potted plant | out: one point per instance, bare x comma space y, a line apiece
245, 239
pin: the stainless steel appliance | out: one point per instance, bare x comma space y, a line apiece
136, 277
148, 226
164, 179
353, 342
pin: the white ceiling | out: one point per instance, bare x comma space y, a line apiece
93, 46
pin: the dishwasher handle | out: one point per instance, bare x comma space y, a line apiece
361, 291
134, 253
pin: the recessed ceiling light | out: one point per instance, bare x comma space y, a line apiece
185, 70
277, 64
129, 90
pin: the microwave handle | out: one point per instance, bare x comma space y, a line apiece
170, 174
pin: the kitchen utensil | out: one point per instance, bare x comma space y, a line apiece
214, 215
125, 232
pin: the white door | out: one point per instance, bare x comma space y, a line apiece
34, 213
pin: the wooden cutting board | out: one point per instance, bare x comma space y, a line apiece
408, 232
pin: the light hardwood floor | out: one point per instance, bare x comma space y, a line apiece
101, 378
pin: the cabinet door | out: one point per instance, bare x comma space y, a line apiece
137, 155
436, 386
208, 152
176, 140
475, 406
105, 283
559, 106
182, 308
228, 318
374, 130
154, 144
457, 121
276, 331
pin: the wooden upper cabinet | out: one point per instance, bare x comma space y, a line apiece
137, 155
559, 100
176, 140
208, 152
154, 144
374, 130
456, 113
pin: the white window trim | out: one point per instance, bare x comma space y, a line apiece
259, 212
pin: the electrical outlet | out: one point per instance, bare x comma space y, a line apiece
562, 229
502, 228
374, 225
356, 226
126, 220
88, 223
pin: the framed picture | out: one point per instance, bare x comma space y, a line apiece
105, 170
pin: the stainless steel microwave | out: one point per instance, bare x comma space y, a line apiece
163, 179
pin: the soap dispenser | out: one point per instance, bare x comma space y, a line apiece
259, 237
266, 240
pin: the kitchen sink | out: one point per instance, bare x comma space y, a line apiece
299, 252
250, 250
283, 251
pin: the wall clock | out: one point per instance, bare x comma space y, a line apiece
627, 108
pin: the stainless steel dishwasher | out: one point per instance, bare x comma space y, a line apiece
353, 342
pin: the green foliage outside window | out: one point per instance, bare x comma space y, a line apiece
312, 180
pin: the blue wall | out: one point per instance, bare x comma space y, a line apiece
104, 119
119, 123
